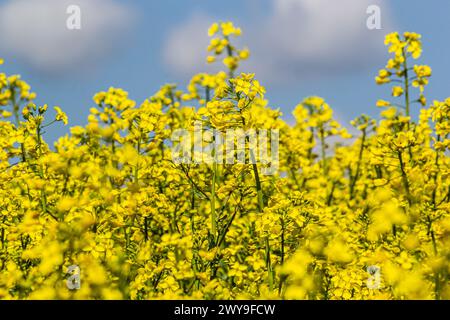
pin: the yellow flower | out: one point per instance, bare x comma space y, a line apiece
213, 29
229, 29
389, 113
65, 204
6, 114
244, 54
397, 91
337, 251
383, 103
61, 116
230, 62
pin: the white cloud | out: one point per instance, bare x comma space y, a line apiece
297, 40
185, 47
35, 31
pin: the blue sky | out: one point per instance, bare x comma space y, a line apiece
299, 48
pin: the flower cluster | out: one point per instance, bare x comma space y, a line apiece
221, 43
398, 71
365, 218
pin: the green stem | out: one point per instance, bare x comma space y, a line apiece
407, 103
435, 175
269, 264
322, 145
17, 118
282, 240
222, 237
358, 165
213, 202
255, 172
404, 176
258, 188
230, 54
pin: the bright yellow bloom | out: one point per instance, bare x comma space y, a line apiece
397, 91
61, 116
213, 29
